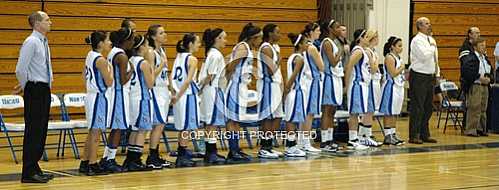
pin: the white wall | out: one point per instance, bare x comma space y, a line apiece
391, 17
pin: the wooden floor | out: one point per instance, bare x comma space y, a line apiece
456, 162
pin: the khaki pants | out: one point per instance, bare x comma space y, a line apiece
476, 103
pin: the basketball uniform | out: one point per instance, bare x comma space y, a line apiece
97, 104
393, 91
358, 86
374, 87
160, 93
119, 94
141, 111
332, 82
186, 108
212, 97
311, 85
269, 87
236, 101
295, 99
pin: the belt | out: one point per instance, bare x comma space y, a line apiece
423, 74
38, 83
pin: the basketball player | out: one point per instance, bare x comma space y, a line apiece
269, 87
185, 101
295, 98
122, 41
99, 77
212, 108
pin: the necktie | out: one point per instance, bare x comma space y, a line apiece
47, 61
434, 56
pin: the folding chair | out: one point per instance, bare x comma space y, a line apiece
64, 127
452, 104
11, 102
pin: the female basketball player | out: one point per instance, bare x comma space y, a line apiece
99, 76
311, 83
332, 96
185, 101
374, 96
239, 72
212, 108
357, 79
295, 97
122, 41
393, 89
156, 37
269, 87
141, 109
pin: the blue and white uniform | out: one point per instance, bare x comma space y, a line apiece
269, 86
141, 108
212, 107
393, 90
311, 85
120, 94
186, 108
236, 99
295, 99
358, 86
97, 103
374, 86
333, 82
160, 92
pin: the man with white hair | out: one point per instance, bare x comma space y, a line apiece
424, 70
34, 73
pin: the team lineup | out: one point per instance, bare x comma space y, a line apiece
133, 88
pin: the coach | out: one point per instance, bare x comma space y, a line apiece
34, 73
424, 70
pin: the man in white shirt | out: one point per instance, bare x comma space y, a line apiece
424, 70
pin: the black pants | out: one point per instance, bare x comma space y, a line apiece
421, 97
36, 116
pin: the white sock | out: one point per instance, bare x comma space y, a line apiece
330, 132
106, 152
361, 130
300, 139
211, 140
352, 135
292, 137
369, 132
112, 154
388, 131
324, 135
393, 130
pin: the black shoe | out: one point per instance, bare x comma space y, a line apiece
83, 166
95, 169
472, 135
135, 166
166, 163
110, 166
238, 157
154, 162
46, 175
415, 141
214, 159
183, 161
37, 178
483, 134
429, 140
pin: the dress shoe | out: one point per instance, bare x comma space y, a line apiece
483, 134
415, 141
46, 175
37, 178
472, 135
429, 140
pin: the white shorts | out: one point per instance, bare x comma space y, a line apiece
161, 105
97, 110
186, 113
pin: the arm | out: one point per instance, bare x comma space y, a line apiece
333, 59
267, 59
299, 64
146, 68
193, 62
356, 55
25, 54
312, 50
122, 64
421, 49
241, 52
390, 66
373, 62
106, 70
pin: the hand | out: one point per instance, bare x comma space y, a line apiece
346, 48
17, 89
484, 80
173, 100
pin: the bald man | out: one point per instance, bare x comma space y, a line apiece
424, 71
34, 73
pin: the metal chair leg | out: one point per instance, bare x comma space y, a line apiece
11, 147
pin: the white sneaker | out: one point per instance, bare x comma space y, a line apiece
355, 145
294, 151
267, 154
329, 148
280, 154
310, 149
368, 141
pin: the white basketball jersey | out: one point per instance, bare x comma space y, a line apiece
291, 67
117, 79
377, 75
138, 86
247, 65
335, 70
94, 80
180, 73
362, 70
214, 62
277, 76
162, 79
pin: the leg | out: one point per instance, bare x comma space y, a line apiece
211, 154
473, 111
416, 105
427, 111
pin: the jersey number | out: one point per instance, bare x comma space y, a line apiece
178, 74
